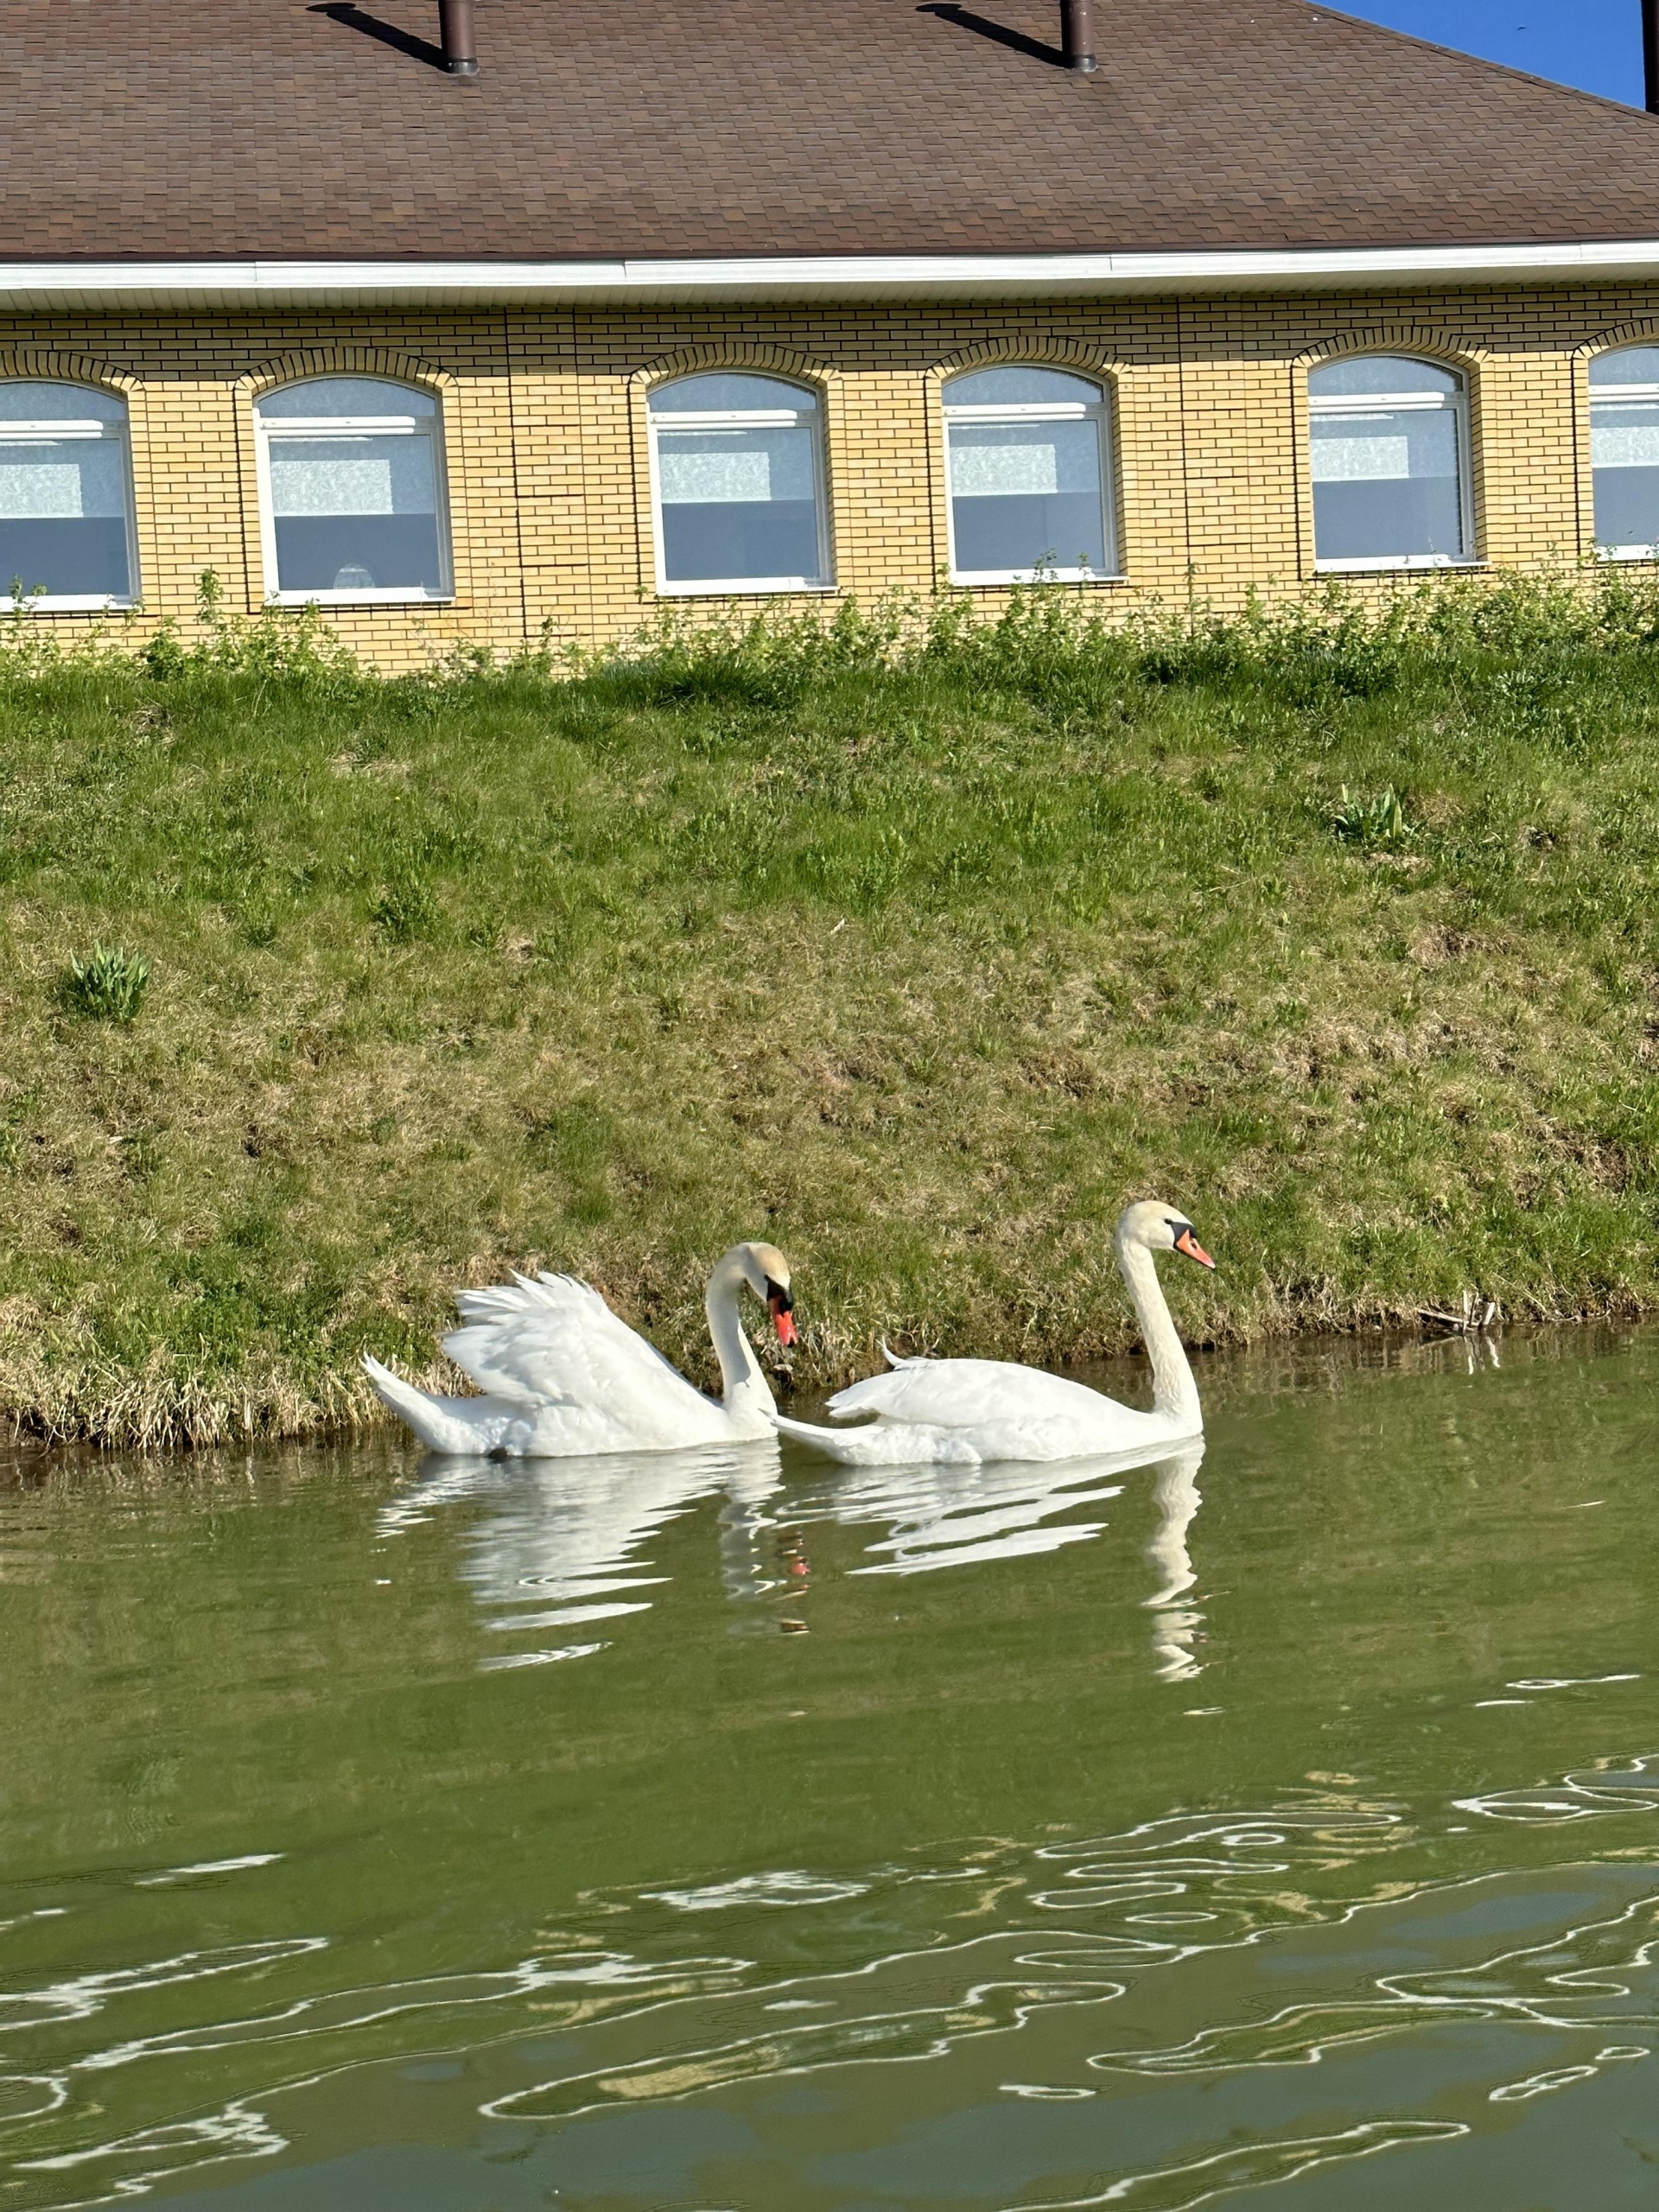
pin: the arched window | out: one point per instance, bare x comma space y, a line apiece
1390, 454
350, 479
66, 497
737, 464
1028, 455
1625, 451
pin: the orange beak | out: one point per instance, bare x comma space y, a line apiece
783, 1320
1187, 1242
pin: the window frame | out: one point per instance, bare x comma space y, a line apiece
52, 432
1100, 411
314, 427
1355, 404
815, 418
1636, 395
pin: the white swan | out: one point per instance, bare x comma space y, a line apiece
967, 1411
562, 1377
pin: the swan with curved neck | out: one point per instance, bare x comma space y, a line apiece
968, 1411
562, 1377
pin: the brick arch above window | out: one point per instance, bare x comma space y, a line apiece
1043, 353
1644, 330
744, 360
39, 364
301, 365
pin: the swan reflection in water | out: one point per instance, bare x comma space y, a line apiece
562, 1549
940, 1516
565, 1546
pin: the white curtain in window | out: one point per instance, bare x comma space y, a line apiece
336, 476
61, 482
1340, 459
698, 467
1009, 461
1626, 437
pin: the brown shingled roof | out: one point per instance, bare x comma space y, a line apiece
213, 128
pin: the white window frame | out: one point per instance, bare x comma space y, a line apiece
1634, 395
1045, 410
1324, 406
313, 427
13, 433
740, 418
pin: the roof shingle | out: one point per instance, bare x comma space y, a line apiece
220, 129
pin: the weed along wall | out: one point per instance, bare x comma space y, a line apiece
537, 427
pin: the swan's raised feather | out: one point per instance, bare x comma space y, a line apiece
553, 1342
563, 1377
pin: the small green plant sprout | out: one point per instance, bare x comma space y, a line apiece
405, 910
107, 984
1379, 822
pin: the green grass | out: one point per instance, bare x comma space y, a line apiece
916, 946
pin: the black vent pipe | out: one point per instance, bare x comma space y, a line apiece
1077, 33
459, 42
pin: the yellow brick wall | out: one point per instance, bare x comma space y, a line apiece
544, 425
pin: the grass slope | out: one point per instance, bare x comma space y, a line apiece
916, 949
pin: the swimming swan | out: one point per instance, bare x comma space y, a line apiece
966, 1411
563, 1376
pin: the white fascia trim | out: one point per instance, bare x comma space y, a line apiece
46, 286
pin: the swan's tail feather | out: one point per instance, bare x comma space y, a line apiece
871, 1444
469, 1426
838, 1442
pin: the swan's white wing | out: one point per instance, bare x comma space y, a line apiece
972, 1393
556, 1343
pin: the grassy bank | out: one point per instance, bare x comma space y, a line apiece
916, 948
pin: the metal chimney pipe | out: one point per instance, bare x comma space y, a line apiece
1650, 55
461, 45
1077, 33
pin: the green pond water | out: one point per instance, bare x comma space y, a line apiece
732, 1834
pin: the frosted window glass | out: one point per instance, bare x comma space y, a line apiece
1345, 459
347, 395
61, 482
58, 402
698, 467
1625, 454
1026, 495
992, 460
1630, 364
1025, 387
351, 476
1386, 487
732, 395
1381, 374
1627, 439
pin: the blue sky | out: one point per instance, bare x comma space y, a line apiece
1596, 44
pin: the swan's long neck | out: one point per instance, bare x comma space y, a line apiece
744, 1387
1174, 1393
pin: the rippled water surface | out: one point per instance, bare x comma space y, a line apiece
745, 1835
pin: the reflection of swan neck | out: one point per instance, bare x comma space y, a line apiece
744, 1387
1176, 1496
1174, 1393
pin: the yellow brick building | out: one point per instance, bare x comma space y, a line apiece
1296, 296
